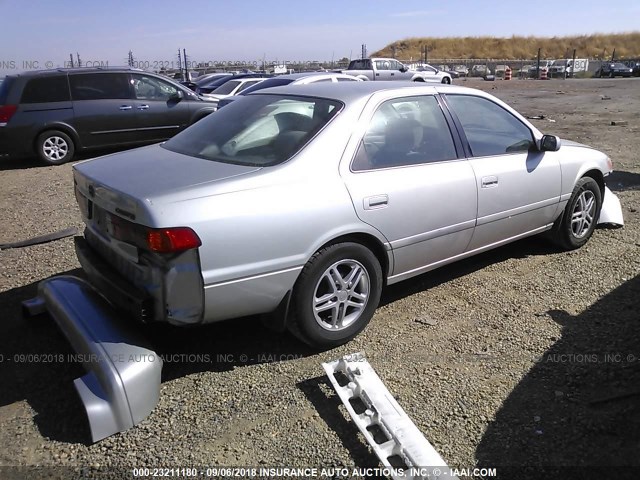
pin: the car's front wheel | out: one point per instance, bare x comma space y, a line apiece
576, 224
54, 147
336, 295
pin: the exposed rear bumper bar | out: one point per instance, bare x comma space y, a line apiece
123, 383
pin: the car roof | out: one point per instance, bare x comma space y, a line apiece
345, 92
54, 71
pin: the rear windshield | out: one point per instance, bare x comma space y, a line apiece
5, 85
272, 82
256, 130
46, 89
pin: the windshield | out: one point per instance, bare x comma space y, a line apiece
227, 88
272, 82
256, 130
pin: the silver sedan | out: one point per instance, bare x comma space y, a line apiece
302, 202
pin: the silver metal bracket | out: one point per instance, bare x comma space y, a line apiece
395, 439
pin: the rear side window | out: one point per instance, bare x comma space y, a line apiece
100, 86
405, 131
5, 85
46, 89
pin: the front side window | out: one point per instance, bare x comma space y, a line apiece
256, 130
99, 86
46, 89
489, 128
406, 131
152, 88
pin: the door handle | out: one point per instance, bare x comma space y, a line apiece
125, 107
392, 74
377, 201
143, 107
490, 181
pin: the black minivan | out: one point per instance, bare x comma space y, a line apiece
55, 113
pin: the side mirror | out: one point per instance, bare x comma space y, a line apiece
179, 95
403, 69
550, 143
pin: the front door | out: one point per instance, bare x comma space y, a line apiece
518, 186
160, 112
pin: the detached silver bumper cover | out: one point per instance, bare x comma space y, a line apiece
611, 211
383, 422
123, 383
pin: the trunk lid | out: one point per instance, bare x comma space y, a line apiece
125, 183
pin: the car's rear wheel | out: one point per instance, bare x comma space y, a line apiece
55, 147
576, 224
336, 295
446, 80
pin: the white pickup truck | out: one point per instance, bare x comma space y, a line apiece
391, 69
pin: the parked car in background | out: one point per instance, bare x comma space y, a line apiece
292, 79
202, 79
461, 70
301, 202
432, 74
480, 71
213, 83
55, 113
636, 69
614, 70
231, 88
391, 69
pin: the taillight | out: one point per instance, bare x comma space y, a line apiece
6, 112
159, 240
169, 240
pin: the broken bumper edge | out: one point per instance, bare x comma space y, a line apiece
122, 385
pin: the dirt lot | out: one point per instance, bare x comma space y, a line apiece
524, 356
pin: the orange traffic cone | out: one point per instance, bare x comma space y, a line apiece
507, 73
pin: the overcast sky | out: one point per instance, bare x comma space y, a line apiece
47, 31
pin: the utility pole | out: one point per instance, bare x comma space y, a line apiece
613, 55
364, 50
185, 77
79, 61
179, 61
71, 58
130, 60
538, 65
573, 64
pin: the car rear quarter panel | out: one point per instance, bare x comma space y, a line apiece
259, 231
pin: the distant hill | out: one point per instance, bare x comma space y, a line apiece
627, 45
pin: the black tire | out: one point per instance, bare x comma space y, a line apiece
446, 80
564, 232
55, 147
308, 326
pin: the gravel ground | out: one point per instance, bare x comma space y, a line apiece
518, 357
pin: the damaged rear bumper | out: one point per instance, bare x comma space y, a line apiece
122, 385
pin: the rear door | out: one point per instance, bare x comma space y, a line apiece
103, 107
407, 179
160, 112
518, 186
